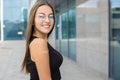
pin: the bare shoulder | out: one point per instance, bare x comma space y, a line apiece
38, 43
38, 48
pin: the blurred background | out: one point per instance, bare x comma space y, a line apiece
87, 33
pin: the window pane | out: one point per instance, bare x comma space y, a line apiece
115, 40
64, 26
72, 24
14, 19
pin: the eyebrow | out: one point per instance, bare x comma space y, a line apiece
45, 14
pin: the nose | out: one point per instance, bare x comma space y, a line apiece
47, 19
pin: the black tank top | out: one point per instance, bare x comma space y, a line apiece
56, 60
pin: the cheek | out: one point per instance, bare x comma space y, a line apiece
37, 21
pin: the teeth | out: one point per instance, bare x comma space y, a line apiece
46, 26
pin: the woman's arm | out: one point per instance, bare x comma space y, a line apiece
40, 55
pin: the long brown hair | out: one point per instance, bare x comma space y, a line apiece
30, 30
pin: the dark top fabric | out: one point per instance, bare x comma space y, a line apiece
56, 60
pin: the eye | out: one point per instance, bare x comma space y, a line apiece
51, 16
41, 16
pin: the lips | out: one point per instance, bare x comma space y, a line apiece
46, 26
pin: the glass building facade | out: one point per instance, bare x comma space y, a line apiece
86, 31
115, 39
14, 19
65, 28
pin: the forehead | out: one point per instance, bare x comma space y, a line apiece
44, 9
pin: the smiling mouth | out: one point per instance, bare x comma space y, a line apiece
46, 26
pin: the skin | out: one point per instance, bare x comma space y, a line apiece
38, 47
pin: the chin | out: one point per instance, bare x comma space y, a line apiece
46, 32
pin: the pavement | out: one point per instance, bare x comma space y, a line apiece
11, 56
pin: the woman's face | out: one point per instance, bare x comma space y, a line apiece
44, 19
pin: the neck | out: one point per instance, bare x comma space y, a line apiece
40, 35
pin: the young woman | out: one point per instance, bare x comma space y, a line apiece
41, 60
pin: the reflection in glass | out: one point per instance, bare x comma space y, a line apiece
65, 25
66, 29
64, 41
72, 24
15, 19
72, 33
115, 40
